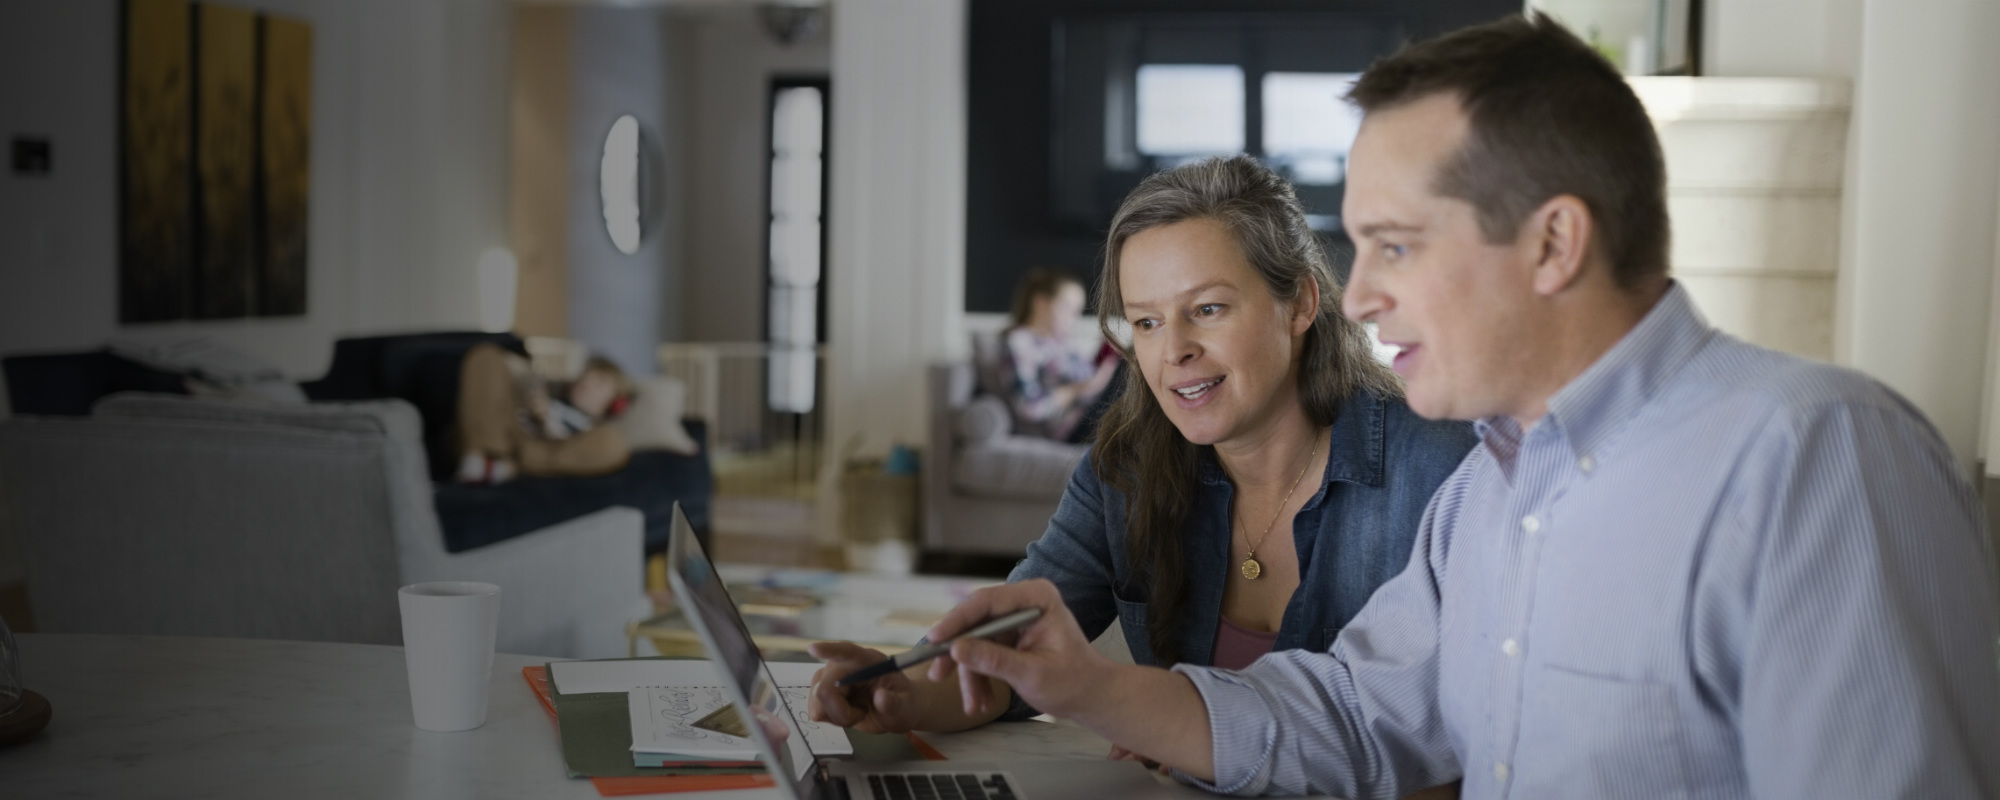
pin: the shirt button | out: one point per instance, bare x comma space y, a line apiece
1500, 771
1530, 524
1510, 647
1586, 464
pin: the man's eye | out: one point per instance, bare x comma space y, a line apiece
1208, 309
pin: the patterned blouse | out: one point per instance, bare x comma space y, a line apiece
1041, 365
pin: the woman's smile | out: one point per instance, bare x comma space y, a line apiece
1195, 393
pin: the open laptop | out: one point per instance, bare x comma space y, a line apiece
802, 775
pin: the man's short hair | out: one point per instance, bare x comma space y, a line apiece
1548, 116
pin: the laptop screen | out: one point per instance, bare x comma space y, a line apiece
713, 615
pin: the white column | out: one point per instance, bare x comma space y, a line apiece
1918, 264
896, 217
1990, 422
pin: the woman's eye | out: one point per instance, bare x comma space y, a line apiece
1394, 251
1142, 324
1208, 309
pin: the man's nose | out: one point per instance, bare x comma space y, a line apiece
1361, 300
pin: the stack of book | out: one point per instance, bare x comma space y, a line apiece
646, 726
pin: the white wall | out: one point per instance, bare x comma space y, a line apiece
734, 61
408, 177
897, 253
408, 183
1923, 160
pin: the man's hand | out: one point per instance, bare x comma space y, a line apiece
1049, 663
888, 704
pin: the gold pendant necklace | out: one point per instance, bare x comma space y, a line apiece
1252, 569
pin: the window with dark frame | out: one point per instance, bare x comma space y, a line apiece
795, 242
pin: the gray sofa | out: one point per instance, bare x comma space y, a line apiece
189, 516
986, 491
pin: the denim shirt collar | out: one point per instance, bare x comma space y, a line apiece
1359, 441
1592, 407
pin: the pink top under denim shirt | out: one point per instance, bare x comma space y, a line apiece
1237, 647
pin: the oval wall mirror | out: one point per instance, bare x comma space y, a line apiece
618, 182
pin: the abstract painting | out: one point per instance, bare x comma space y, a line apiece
156, 226
216, 162
225, 160
285, 133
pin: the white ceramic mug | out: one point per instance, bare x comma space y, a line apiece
448, 630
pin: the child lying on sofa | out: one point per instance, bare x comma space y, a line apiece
511, 421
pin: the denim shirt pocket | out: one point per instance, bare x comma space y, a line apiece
1132, 620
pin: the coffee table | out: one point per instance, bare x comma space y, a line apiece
788, 609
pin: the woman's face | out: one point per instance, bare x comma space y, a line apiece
1218, 350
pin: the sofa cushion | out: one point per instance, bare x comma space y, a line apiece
477, 515
991, 362
381, 416
654, 420
212, 369
983, 421
66, 384
1016, 467
357, 371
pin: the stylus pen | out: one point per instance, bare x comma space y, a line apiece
929, 650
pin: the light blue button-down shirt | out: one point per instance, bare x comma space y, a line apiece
1710, 571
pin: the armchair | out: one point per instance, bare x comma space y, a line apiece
191, 516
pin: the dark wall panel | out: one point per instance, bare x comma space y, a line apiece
1029, 202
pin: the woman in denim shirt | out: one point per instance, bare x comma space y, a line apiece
1256, 480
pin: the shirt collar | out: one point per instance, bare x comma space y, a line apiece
1591, 408
1359, 438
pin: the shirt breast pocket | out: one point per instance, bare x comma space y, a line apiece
1589, 736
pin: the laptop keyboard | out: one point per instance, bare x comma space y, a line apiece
938, 786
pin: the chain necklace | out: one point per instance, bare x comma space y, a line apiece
1251, 567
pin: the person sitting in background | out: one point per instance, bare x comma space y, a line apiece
511, 421
1054, 388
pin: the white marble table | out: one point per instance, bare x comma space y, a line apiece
155, 716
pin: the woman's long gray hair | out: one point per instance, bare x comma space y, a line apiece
1138, 450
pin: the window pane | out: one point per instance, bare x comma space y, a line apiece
1308, 127
794, 316
798, 168
1190, 109
795, 256
790, 374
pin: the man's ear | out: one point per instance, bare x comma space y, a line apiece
1559, 235
1305, 307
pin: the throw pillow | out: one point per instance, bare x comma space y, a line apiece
653, 422
985, 419
212, 369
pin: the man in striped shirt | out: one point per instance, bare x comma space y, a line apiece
1677, 565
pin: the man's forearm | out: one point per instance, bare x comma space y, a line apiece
1152, 712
